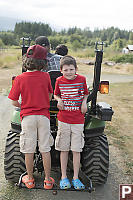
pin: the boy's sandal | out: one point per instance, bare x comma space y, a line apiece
48, 184
28, 183
77, 184
65, 183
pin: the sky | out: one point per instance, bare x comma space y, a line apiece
61, 14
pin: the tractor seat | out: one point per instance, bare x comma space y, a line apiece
54, 74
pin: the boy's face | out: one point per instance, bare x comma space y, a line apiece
69, 71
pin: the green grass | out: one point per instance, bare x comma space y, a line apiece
82, 53
109, 53
9, 56
126, 58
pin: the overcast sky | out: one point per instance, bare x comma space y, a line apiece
70, 13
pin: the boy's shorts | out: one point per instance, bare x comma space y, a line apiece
35, 127
69, 137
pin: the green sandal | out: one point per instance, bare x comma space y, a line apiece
65, 184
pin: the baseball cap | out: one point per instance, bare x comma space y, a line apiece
42, 40
37, 51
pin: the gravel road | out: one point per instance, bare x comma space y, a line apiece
108, 191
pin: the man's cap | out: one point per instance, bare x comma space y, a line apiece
37, 52
42, 40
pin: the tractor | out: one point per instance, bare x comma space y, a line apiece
95, 154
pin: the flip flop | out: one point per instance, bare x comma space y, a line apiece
50, 183
28, 183
65, 184
77, 184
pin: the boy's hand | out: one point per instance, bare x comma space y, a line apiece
84, 107
16, 104
60, 104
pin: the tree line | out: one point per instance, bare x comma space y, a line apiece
74, 37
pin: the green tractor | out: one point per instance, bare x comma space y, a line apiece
95, 155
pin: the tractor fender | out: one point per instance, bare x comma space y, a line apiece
94, 127
15, 118
15, 121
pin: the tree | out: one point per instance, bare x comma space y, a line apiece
118, 44
8, 38
131, 36
32, 29
76, 45
116, 35
74, 37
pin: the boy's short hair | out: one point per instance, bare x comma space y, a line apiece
61, 49
35, 58
67, 60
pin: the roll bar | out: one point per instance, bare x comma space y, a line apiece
97, 74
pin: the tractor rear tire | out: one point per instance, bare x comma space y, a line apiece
95, 159
14, 161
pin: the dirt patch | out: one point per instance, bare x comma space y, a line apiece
126, 68
116, 68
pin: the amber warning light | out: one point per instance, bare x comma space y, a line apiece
13, 78
104, 87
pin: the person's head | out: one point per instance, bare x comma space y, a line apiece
43, 41
35, 58
61, 49
68, 67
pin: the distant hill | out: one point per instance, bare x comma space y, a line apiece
7, 23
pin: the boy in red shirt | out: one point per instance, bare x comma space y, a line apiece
35, 89
71, 93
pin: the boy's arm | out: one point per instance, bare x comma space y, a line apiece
16, 104
60, 103
50, 96
84, 104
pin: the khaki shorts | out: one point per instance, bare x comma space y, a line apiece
69, 137
35, 127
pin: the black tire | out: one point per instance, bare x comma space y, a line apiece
14, 163
95, 159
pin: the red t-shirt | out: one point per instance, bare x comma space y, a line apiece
34, 88
72, 93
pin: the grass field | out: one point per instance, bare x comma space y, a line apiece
9, 57
10, 65
120, 129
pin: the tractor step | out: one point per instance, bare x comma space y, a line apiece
56, 187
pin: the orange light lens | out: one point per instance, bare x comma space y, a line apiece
104, 87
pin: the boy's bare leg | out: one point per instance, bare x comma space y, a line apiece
47, 164
76, 164
64, 160
29, 164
